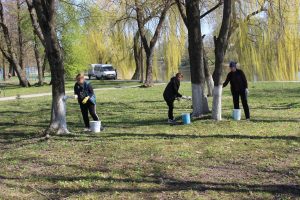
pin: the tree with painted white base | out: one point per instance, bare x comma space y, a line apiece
45, 10
221, 43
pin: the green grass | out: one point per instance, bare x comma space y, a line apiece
139, 156
11, 88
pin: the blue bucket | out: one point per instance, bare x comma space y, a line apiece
186, 118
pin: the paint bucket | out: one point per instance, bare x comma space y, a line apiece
236, 114
186, 118
95, 126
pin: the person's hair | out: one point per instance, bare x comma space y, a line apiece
79, 76
179, 75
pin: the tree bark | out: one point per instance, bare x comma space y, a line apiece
149, 48
149, 68
221, 43
45, 10
10, 53
38, 61
208, 77
4, 68
20, 36
195, 49
137, 57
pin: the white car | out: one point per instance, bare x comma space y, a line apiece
102, 71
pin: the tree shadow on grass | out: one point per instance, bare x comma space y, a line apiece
157, 185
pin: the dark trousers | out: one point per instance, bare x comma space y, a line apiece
236, 96
85, 109
170, 104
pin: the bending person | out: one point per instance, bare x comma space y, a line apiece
86, 100
171, 93
239, 88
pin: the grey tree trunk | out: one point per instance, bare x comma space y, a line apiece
221, 43
38, 61
195, 49
208, 77
149, 69
9, 52
137, 57
45, 10
4, 68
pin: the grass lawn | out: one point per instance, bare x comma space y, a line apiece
12, 88
139, 156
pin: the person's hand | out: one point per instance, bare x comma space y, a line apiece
75, 96
84, 101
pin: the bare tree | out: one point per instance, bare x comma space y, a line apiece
142, 18
9, 51
221, 43
45, 10
190, 13
37, 33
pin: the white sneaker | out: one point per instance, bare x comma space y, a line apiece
86, 130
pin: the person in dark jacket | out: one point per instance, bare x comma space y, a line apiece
239, 87
86, 99
171, 93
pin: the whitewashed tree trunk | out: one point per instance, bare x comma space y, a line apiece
197, 98
200, 101
217, 103
58, 115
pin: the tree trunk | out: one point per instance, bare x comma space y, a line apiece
20, 37
4, 68
46, 17
137, 54
10, 53
149, 67
44, 65
221, 44
208, 77
38, 61
195, 49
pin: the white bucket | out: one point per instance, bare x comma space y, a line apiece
95, 126
236, 114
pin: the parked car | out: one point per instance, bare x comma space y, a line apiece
102, 71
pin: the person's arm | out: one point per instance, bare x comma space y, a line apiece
227, 80
244, 79
176, 88
90, 90
76, 90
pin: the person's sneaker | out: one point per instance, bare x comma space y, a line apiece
171, 121
248, 119
86, 130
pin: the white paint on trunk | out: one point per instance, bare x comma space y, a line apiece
58, 122
205, 107
197, 97
217, 103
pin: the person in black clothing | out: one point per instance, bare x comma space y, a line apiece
171, 93
239, 87
86, 99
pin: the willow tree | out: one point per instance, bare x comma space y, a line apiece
272, 42
173, 43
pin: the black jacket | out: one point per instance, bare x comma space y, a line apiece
238, 81
83, 91
171, 91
